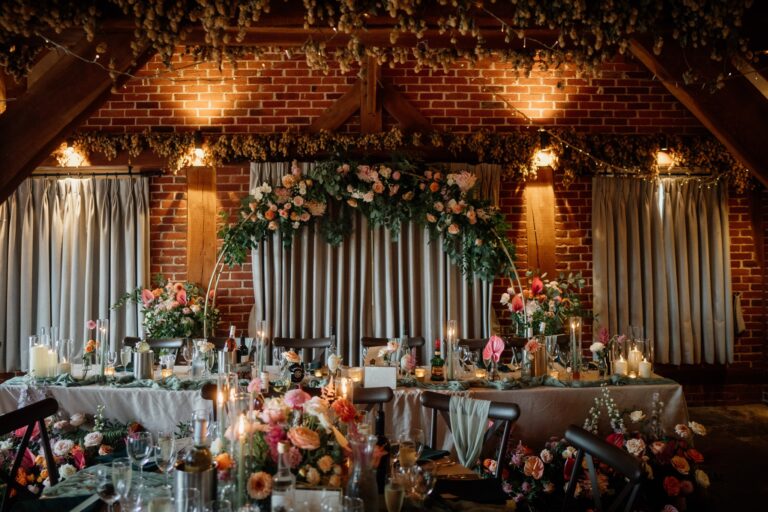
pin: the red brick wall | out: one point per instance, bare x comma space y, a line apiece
274, 95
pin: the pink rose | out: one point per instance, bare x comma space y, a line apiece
537, 285
181, 297
146, 297
254, 385
534, 467
298, 201
91, 324
396, 175
296, 397
304, 438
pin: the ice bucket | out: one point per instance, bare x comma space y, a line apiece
143, 364
204, 481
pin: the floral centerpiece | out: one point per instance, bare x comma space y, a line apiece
76, 440
674, 479
316, 429
171, 310
547, 305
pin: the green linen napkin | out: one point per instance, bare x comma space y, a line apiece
468, 419
428, 454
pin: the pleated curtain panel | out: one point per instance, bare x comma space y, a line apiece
370, 285
661, 260
68, 249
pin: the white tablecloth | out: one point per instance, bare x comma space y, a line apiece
544, 411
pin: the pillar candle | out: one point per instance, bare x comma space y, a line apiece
633, 360
645, 369
620, 366
38, 361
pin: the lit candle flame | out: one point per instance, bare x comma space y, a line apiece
241, 426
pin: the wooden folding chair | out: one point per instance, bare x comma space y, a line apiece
371, 397
502, 414
30, 416
590, 447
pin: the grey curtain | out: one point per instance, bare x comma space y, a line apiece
661, 260
68, 249
369, 285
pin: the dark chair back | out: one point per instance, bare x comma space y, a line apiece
474, 344
317, 346
590, 447
502, 414
369, 341
372, 397
30, 416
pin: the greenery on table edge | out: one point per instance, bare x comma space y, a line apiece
472, 232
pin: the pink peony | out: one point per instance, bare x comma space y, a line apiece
146, 297
296, 397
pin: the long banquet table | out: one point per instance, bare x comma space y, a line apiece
544, 411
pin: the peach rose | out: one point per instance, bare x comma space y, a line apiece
378, 187
259, 485
304, 438
453, 229
681, 465
434, 186
534, 467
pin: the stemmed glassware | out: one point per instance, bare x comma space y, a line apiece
165, 453
139, 447
552, 350
187, 351
105, 488
121, 477
126, 354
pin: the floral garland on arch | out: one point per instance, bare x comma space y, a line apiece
472, 232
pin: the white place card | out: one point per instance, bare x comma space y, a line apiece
380, 376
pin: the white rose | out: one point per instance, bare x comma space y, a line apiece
505, 298
195, 308
62, 447
6, 445
702, 478
77, 419
636, 447
569, 452
698, 428
596, 347
67, 470
637, 416
333, 362
61, 425
93, 439
142, 347
546, 456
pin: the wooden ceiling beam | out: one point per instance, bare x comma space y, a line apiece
59, 101
339, 112
407, 115
370, 106
737, 114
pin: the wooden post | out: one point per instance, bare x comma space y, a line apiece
370, 107
201, 224
540, 221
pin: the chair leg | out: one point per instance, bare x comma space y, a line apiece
572, 481
593, 480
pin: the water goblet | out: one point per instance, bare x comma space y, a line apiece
139, 447
187, 351
105, 488
394, 493
165, 453
126, 353
122, 473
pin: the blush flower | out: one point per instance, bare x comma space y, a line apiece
681, 465
534, 467
259, 485
304, 438
296, 397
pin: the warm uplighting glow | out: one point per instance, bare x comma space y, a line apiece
544, 158
664, 159
198, 157
70, 156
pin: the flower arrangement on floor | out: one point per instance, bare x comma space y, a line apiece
76, 442
472, 231
548, 303
316, 429
674, 481
171, 310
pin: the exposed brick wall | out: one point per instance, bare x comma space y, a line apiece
275, 95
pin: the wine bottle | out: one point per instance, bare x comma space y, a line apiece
242, 350
230, 347
283, 483
198, 458
437, 363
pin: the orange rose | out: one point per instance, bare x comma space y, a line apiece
304, 438
259, 485
90, 346
695, 455
269, 215
434, 186
223, 461
157, 292
345, 410
681, 465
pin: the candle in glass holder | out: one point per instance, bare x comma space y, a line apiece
420, 373
481, 373
632, 375
620, 366
554, 374
109, 371
633, 360
645, 369
166, 372
356, 374
65, 367
344, 388
318, 373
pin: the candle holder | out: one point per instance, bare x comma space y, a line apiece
575, 329
345, 387
102, 343
355, 373
64, 349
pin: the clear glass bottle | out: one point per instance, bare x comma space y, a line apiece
198, 458
284, 482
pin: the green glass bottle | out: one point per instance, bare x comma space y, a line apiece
437, 363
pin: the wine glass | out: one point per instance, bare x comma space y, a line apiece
552, 350
411, 447
165, 453
126, 353
139, 447
111, 358
190, 501
394, 493
105, 488
121, 476
187, 351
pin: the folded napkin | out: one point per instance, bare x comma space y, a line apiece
428, 454
468, 420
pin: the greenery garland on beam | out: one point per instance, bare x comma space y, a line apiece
472, 232
576, 153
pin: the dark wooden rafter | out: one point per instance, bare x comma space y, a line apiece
737, 114
370, 106
57, 102
339, 112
